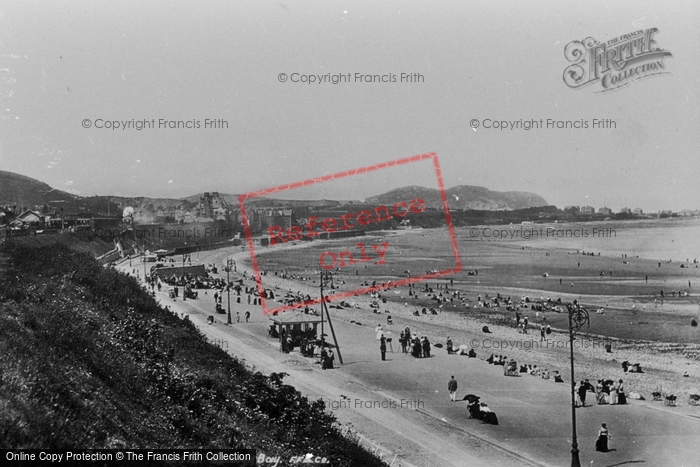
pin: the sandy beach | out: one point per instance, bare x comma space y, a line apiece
639, 325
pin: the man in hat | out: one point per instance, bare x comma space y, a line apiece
452, 388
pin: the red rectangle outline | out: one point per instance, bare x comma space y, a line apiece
325, 178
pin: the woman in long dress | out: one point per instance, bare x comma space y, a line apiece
601, 444
324, 358
613, 395
599, 394
621, 397
330, 357
379, 331
416, 352
578, 401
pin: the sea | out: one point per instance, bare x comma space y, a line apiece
672, 239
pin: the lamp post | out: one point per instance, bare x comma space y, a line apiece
578, 317
184, 294
228, 288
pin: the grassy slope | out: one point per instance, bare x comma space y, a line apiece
89, 360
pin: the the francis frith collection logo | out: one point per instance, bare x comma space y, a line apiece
614, 63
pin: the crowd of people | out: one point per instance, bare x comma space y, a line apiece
609, 392
511, 368
418, 347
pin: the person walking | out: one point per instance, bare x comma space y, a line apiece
601, 444
324, 359
382, 347
582, 390
426, 348
452, 388
247, 316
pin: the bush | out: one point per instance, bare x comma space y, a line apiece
88, 359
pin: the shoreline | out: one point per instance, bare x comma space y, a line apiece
663, 362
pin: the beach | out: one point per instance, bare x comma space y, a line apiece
641, 326
666, 347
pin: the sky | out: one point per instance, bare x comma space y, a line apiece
69, 68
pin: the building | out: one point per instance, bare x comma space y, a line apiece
220, 213
212, 206
605, 211
184, 216
638, 212
278, 217
29, 218
587, 210
625, 211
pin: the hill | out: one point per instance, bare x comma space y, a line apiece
22, 190
89, 360
462, 197
29, 193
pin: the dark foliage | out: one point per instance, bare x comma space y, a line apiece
88, 359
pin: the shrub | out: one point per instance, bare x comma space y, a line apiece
88, 359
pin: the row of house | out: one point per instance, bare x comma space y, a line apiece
261, 218
632, 212
36, 221
606, 211
211, 207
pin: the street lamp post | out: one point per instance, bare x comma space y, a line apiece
184, 298
228, 288
578, 317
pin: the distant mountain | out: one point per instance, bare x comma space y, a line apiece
462, 197
26, 192
20, 190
